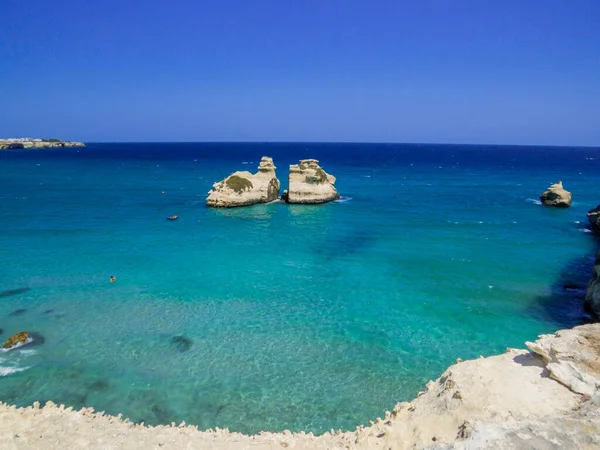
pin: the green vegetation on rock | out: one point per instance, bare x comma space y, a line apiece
321, 175
238, 184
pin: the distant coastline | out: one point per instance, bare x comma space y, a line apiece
31, 143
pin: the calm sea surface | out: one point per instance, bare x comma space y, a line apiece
277, 316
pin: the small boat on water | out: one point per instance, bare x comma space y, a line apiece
172, 218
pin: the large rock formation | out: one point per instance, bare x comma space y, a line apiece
557, 196
591, 304
309, 183
244, 188
593, 216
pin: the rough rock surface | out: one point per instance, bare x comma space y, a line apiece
591, 304
15, 339
244, 188
572, 358
593, 216
557, 196
14, 144
309, 183
506, 401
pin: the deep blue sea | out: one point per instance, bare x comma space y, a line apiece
273, 317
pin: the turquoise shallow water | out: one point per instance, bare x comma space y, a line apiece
279, 316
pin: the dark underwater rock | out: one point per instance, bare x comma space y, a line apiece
48, 311
100, 385
15, 339
591, 304
36, 339
182, 343
18, 312
11, 292
572, 287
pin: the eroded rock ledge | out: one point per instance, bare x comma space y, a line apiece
244, 188
547, 398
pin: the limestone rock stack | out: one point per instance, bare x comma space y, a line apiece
309, 183
557, 196
244, 188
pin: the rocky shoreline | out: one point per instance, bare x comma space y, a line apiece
33, 143
548, 397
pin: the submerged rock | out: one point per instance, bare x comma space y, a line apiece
15, 339
11, 292
593, 216
309, 183
591, 304
99, 385
182, 343
244, 188
556, 196
36, 338
18, 312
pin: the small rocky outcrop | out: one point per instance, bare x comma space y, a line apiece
593, 216
15, 339
309, 183
244, 188
556, 196
591, 304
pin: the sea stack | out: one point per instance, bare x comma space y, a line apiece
309, 183
556, 196
244, 188
593, 216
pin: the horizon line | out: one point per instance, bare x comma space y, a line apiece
340, 142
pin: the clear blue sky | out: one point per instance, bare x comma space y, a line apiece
509, 72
